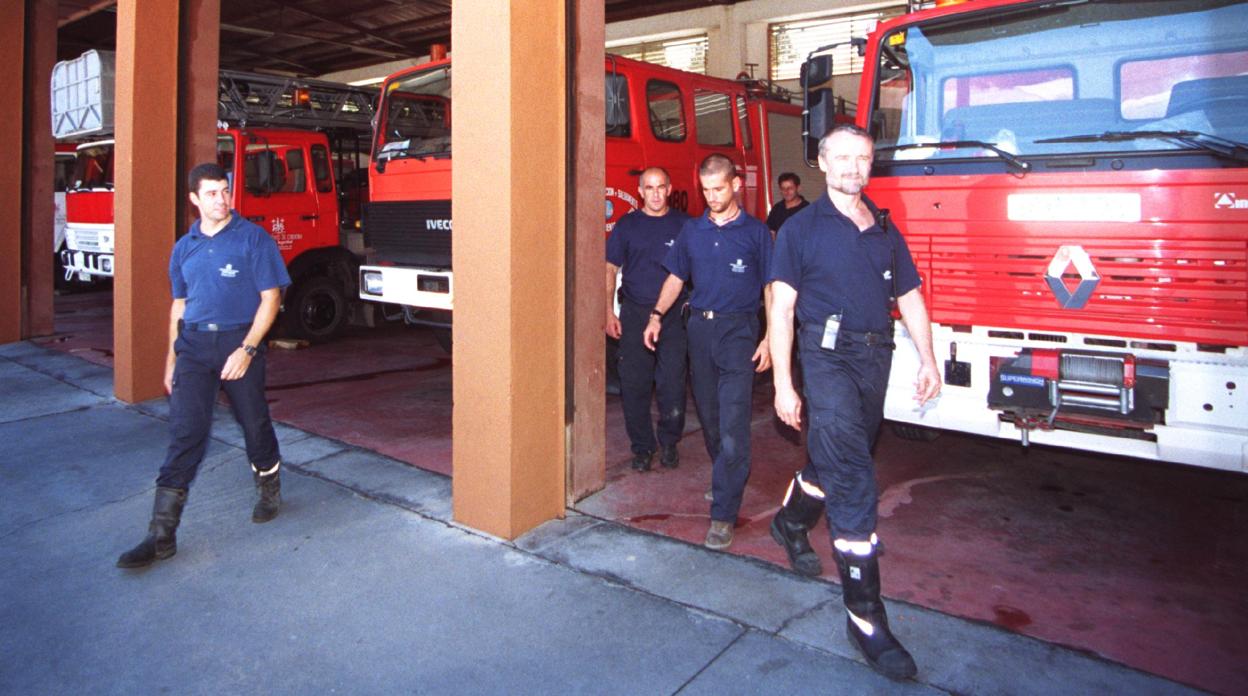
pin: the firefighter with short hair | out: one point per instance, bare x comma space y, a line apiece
227, 277
636, 249
725, 253
838, 265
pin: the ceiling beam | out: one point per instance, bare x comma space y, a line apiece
314, 39
86, 12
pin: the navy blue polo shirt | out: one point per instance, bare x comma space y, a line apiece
221, 277
835, 268
638, 245
727, 265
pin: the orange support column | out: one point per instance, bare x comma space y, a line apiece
198, 64
144, 199
12, 47
37, 155
509, 145
587, 468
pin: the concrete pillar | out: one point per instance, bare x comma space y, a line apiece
509, 140
144, 199
38, 152
587, 468
12, 45
199, 50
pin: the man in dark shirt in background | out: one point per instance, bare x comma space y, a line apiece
791, 201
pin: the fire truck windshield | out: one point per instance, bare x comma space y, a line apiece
1035, 79
93, 167
416, 116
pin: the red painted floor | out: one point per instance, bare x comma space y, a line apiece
1142, 563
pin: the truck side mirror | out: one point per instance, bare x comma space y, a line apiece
818, 103
617, 105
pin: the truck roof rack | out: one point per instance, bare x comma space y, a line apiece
83, 102
253, 99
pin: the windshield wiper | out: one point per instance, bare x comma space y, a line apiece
1193, 139
1006, 155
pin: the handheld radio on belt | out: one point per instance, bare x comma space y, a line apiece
881, 219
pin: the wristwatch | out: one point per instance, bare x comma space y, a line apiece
656, 313
250, 350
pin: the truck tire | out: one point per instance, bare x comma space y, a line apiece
914, 433
315, 309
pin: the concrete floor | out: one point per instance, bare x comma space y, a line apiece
1139, 562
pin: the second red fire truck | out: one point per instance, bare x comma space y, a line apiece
1072, 178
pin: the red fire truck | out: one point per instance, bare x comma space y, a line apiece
285, 177
655, 116
1072, 178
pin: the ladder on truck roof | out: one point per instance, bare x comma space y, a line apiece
252, 99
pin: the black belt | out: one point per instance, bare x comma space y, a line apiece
214, 327
869, 338
712, 314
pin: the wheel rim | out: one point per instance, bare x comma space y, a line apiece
319, 312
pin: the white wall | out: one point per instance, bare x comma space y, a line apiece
737, 34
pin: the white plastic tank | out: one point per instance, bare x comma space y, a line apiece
83, 95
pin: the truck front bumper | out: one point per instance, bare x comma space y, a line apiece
420, 288
85, 264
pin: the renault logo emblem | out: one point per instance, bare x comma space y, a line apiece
1088, 277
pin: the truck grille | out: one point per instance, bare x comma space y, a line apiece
410, 232
87, 240
1187, 289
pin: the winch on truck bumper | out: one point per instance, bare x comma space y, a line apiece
1104, 393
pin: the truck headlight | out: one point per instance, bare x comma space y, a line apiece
372, 283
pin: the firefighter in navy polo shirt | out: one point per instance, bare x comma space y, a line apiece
227, 277
637, 246
839, 264
725, 254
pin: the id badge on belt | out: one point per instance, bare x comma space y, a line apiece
831, 328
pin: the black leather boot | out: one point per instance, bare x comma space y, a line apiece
867, 623
791, 526
269, 485
161, 541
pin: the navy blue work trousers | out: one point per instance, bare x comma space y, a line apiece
201, 355
844, 392
720, 362
646, 373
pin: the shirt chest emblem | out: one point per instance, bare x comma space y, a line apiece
228, 271
738, 267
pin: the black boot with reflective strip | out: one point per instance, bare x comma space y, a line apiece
867, 623
269, 486
791, 526
161, 541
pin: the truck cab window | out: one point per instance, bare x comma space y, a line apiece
320, 169
713, 117
93, 167
417, 116
667, 111
743, 117
296, 173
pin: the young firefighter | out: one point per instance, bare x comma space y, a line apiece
637, 246
840, 263
227, 276
725, 254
